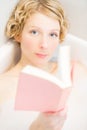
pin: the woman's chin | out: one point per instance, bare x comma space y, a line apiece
41, 65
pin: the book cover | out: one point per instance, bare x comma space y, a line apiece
40, 91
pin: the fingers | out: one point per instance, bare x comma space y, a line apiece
63, 111
60, 112
54, 120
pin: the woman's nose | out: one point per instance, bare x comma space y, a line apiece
44, 43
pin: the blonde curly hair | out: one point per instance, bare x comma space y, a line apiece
25, 8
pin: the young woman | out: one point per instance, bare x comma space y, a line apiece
38, 27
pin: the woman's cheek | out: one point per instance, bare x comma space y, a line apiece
53, 47
27, 44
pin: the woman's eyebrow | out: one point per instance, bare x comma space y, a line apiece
37, 27
57, 30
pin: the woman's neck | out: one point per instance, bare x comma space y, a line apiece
47, 67
50, 67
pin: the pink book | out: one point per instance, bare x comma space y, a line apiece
40, 91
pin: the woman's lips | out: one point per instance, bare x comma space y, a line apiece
41, 55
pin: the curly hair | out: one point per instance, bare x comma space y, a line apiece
25, 8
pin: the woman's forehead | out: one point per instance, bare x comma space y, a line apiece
40, 19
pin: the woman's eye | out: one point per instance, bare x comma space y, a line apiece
54, 35
34, 32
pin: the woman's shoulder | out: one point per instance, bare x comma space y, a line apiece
80, 67
4, 79
10, 74
8, 79
79, 72
6, 76
8, 84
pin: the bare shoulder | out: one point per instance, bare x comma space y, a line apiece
81, 67
6, 78
3, 79
80, 73
8, 84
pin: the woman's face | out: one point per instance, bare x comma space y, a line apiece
39, 39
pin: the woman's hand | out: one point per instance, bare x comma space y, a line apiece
50, 120
54, 121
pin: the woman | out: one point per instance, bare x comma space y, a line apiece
38, 26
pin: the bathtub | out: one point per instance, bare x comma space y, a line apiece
77, 103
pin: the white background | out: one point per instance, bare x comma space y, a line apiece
77, 14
